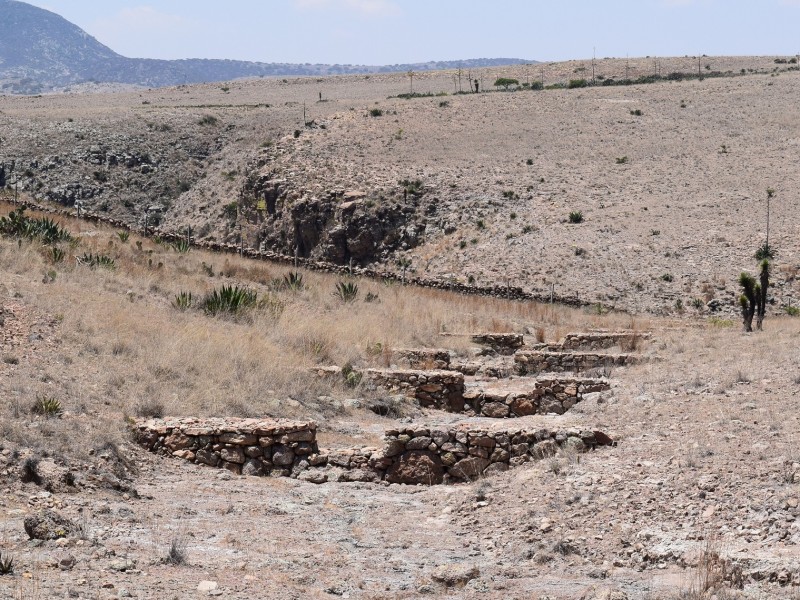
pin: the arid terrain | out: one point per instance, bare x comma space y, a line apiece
694, 495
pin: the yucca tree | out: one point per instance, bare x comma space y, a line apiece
753, 300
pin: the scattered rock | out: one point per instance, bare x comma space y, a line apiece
48, 525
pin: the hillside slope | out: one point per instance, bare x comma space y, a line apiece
41, 51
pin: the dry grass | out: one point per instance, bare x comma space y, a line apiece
123, 349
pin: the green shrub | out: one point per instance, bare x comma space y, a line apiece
637, 112
667, 277
577, 83
792, 311
622, 160
506, 82
576, 216
123, 236
346, 291
376, 112
229, 299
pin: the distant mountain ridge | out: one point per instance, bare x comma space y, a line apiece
41, 52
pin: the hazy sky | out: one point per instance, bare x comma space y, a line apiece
402, 31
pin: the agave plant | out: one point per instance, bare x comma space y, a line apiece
97, 260
181, 246
6, 565
346, 291
47, 406
230, 299
17, 224
124, 236
56, 255
183, 301
293, 281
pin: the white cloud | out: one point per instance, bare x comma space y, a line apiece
371, 8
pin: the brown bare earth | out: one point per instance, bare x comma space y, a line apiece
697, 498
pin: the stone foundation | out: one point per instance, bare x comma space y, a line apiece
243, 446
547, 396
410, 456
533, 362
603, 340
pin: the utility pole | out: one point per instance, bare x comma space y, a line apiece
627, 66
594, 56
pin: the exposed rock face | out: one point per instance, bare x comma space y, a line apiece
328, 228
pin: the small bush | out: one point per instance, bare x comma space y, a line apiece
529, 162
297, 133
792, 311
576, 216
376, 112
346, 291
622, 160
667, 277
177, 554
637, 112
123, 236
208, 120
577, 83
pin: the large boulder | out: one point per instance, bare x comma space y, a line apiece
416, 467
469, 468
48, 525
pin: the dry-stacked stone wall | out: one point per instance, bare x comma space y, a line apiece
502, 343
433, 389
422, 358
243, 446
533, 362
603, 340
410, 456
548, 396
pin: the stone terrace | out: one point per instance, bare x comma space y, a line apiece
413, 455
